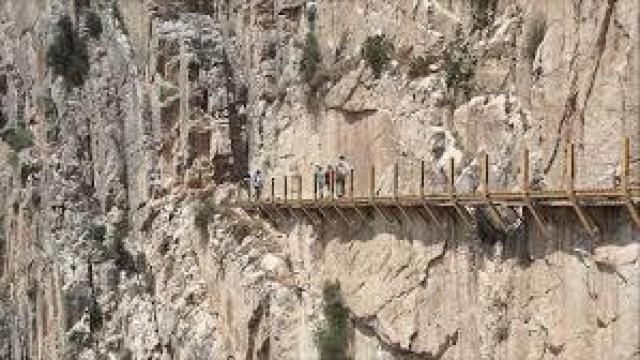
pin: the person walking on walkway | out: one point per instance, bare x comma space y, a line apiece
258, 182
329, 179
318, 177
342, 171
246, 183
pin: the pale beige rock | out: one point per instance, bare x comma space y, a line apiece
176, 93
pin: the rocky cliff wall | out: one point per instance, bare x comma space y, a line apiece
126, 123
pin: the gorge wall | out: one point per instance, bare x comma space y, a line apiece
126, 123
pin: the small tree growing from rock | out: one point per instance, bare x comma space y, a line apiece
204, 214
94, 24
67, 55
420, 66
459, 67
333, 337
17, 137
377, 50
311, 57
483, 12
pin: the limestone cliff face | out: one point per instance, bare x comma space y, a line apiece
126, 123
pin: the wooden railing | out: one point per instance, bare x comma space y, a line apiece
317, 208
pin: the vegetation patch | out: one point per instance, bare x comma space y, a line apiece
13, 159
67, 55
377, 51
53, 131
312, 13
311, 57
98, 233
124, 260
420, 66
26, 170
204, 214
333, 338
50, 110
459, 67
483, 13
95, 316
18, 138
94, 24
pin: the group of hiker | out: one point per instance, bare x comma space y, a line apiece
333, 179
255, 182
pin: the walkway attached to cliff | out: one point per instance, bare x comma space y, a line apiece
344, 209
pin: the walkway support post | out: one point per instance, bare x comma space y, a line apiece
421, 179
486, 194
333, 185
273, 199
351, 188
372, 182
372, 194
584, 218
300, 203
395, 181
286, 190
624, 181
526, 194
396, 193
273, 190
315, 188
451, 183
352, 195
484, 169
430, 213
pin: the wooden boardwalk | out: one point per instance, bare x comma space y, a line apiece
426, 204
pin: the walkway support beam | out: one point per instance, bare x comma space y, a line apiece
427, 208
491, 208
325, 215
624, 181
351, 187
451, 183
342, 215
421, 179
395, 181
372, 182
585, 219
286, 190
273, 190
537, 218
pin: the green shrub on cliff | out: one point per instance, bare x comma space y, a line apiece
333, 338
311, 57
67, 55
17, 137
94, 24
459, 67
377, 51
203, 214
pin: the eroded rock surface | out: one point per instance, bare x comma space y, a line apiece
126, 125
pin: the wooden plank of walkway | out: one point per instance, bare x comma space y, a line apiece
587, 198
